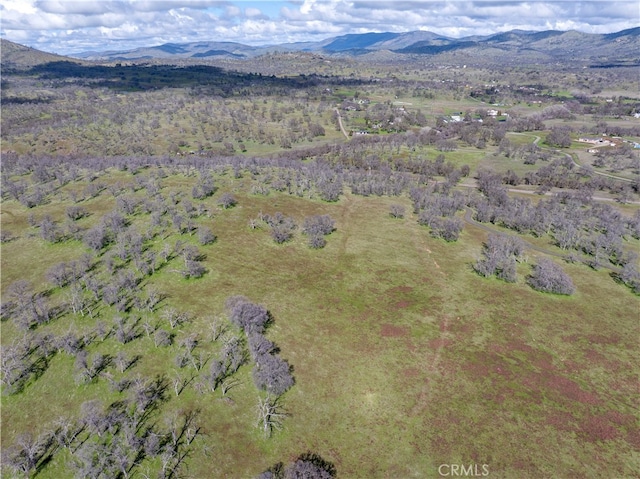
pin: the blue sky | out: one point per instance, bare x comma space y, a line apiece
73, 26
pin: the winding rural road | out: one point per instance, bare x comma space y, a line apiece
575, 163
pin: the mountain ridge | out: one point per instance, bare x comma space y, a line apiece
534, 46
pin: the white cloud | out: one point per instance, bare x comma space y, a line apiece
71, 26
251, 12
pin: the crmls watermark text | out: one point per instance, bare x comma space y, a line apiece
463, 470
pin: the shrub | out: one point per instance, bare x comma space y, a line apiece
397, 211
273, 374
318, 225
317, 242
548, 277
250, 317
500, 254
227, 200
206, 236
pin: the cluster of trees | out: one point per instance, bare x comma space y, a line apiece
282, 228
562, 173
436, 207
306, 466
573, 221
110, 441
500, 255
113, 441
316, 228
323, 177
548, 277
271, 373
190, 119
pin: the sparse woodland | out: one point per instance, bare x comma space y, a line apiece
196, 264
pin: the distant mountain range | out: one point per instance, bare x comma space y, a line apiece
519, 46
547, 45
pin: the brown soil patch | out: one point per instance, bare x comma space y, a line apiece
572, 390
562, 421
401, 289
402, 304
600, 339
439, 343
463, 328
593, 356
494, 398
411, 345
564, 387
597, 428
410, 372
620, 419
483, 364
571, 338
572, 366
392, 331
633, 438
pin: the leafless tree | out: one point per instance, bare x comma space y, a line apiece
270, 415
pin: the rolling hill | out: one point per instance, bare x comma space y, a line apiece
16, 56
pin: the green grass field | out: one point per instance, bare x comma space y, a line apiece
404, 358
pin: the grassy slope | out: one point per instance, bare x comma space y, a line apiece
404, 358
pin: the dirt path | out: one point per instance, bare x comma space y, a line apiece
344, 132
470, 183
430, 361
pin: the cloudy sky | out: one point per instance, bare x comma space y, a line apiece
73, 26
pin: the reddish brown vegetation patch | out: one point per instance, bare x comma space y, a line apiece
439, 343
402, 304
392, 331
494, 398
562, 421
633, 438
485, 363
565, 387
519, 345
464, 328
593, 356
620, 419
410, 345
598, 428
572, 338
410, 372
401, 289
600, 339
572, 390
